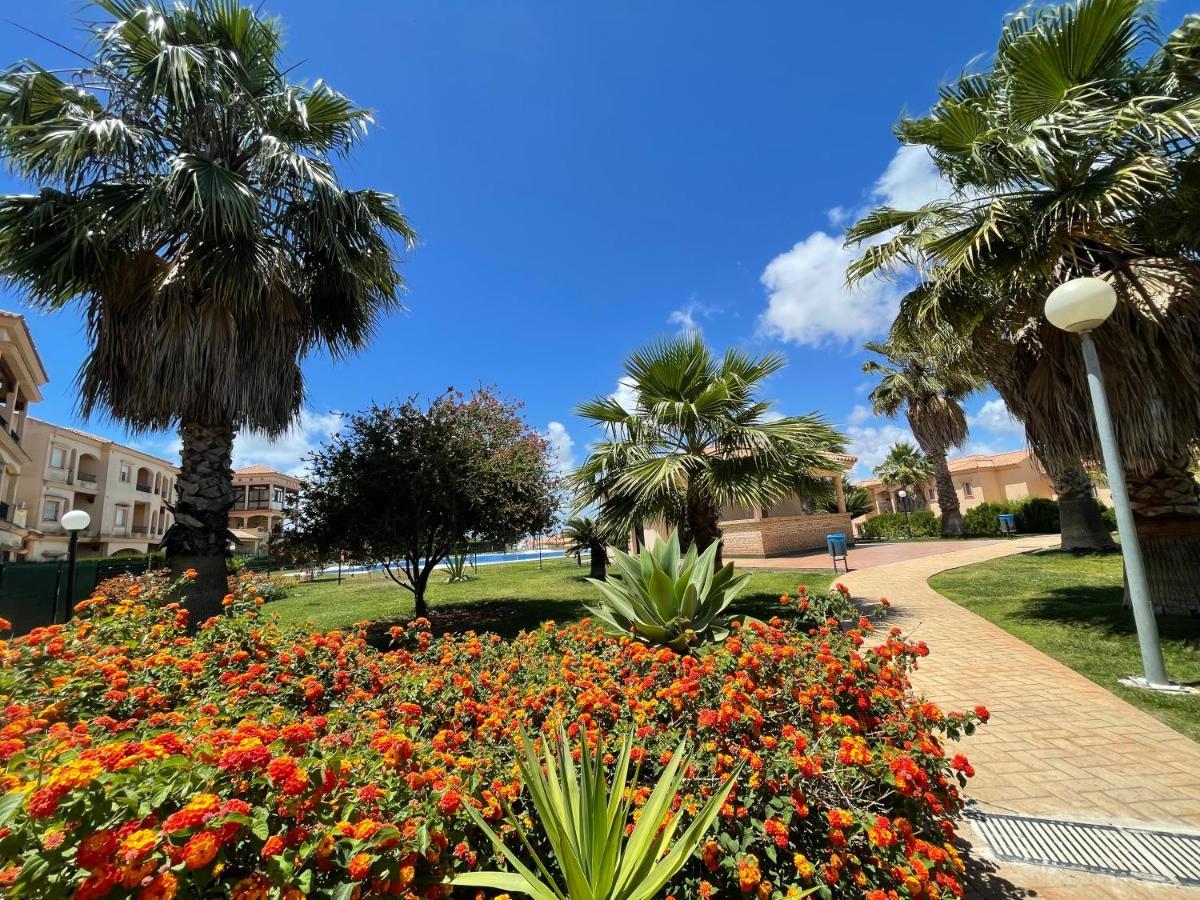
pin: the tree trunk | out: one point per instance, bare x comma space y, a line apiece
952, 520
199, 538
703, 521
1080, 519
599, 562
639, 537
421, 608
1166, 510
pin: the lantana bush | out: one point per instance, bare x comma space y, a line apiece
144, 758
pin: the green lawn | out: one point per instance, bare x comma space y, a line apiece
1070, 608
502, 598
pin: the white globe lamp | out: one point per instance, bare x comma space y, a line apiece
1081, 304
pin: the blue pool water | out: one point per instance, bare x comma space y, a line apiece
483, 559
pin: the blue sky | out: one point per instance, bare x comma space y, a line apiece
588, 177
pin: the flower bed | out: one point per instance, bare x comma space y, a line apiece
254, 759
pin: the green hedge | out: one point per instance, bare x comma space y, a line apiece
893, 527
1035, 515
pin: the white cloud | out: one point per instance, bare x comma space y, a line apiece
562, 446
688, 317
808, 301
286, 453
910, 181
994, 416
625, 394
871, 443
859, 414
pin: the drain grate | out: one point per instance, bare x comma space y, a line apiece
1102, 849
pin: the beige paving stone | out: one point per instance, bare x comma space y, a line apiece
1057, 745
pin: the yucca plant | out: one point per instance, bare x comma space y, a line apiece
660, 599
585, 820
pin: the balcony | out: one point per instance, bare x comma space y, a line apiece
87, 478
145, 489
140, 531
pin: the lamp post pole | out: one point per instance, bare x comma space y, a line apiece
1154, 666
904, 506
73, 522
1079, 306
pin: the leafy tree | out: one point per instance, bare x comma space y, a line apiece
294, 549
697, 438
403, 486
1072, 152
188, 203
908, 468
593, 534
929, 382
858, 501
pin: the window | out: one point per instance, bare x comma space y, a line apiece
968, 490
52, 509
278, 495
122, 516
125, 473
58, 458
932, 494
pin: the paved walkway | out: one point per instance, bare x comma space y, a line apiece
865, 556
1057, 744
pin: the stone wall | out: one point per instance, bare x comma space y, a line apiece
784, 535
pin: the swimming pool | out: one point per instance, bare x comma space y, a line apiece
482, 559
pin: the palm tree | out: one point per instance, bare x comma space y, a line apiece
907, 467
188, 203
858, 501
698, 438
929, 383
1073, 153
593, 535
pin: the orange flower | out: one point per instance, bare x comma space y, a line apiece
163, 887
201, 849
360, 866
748, 873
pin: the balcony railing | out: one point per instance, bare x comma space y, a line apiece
86, 477
140, 531
145, 488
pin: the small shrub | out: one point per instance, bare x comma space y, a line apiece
1110, 517
1038, 515
984, 520
457, 566
894, 527
259, 584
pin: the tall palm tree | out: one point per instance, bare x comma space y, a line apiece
1072, 153
593, 534
698, 438
907, 467
929, 383
188, 203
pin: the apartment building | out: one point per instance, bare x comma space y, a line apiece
978, 478
22, 376
125, 491
262, 497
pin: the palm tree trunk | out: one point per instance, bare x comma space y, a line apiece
703, 521
952, 520
199, 538
1166, 510
1080, 520
599, 562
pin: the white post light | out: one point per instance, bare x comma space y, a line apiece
73, 522
1078, 306
903, 494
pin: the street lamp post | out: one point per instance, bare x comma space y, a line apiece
73, 522
903, 494
1079, 306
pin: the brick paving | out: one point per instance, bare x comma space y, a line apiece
1057, 745
863, 557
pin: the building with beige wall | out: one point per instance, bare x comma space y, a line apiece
262, 496
795, 525
22, 376
978, 478
125, 491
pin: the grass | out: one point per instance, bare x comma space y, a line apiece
505, 598
1070, 607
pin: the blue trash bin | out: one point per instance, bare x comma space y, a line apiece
1008, 523
836, 543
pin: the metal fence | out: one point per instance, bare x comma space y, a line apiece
29, 591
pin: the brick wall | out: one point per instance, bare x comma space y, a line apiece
783, 536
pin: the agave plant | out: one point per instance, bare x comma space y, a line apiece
456, 566
585, 820
660, 599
